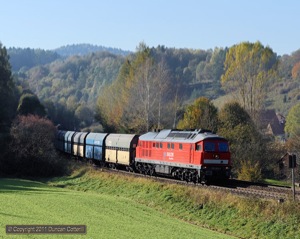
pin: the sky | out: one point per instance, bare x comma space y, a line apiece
194, 24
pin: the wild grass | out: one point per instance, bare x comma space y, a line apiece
110, 208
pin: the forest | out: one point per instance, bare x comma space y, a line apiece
82, 87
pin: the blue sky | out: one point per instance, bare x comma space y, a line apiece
197, 24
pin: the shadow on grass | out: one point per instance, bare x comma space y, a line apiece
9, 185
11, 215
46, 185
66, 181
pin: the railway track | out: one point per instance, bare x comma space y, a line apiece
236, 187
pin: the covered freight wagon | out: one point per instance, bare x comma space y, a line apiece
120, 149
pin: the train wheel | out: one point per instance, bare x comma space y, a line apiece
152, 171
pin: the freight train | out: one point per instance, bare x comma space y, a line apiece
198, 156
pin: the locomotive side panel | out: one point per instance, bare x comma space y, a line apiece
189, 155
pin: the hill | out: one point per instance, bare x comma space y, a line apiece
84, 49
67, 85
26, 58
69, 82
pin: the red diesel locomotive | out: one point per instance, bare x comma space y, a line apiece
197, 156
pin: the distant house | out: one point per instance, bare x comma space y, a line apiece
272, 124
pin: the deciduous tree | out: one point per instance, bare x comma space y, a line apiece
292, 128
30, 104
32, 148
296, 70
201, 114
246, 144
248, 66
134, 102
292, 125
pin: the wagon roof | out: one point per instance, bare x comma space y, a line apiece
95, 138
79, 136
119, 140
69, 134
168, 135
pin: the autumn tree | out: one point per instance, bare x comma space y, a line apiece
246, 144
202, 114
84, 115
134, 102
30, 104
214, 68
162, 81
248, 67
296, 70
113, 99
292, 125
32, 148
147, 104
143, 97
292, 128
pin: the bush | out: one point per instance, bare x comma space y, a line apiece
250, 172
32, 151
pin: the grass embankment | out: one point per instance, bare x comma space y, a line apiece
243, 217
111, 207
115, 206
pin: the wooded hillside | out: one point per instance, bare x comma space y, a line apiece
73, 84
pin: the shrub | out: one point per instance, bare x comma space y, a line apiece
250, 171
32, 151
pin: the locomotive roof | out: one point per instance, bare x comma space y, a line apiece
169, 135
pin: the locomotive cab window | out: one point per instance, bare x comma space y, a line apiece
223, 147
209, 146
198, 147
180, 146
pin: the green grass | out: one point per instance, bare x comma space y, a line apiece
226, 213
278, 182
116, 206
106, 214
